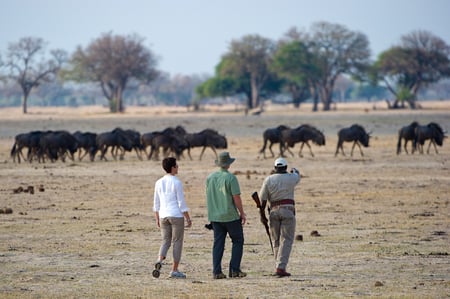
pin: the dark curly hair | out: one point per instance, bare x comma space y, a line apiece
168, 163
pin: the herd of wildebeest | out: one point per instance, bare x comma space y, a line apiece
54, 145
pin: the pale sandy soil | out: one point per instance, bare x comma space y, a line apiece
384, 219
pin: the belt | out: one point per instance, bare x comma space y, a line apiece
282, 202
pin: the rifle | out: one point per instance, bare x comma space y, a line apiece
263, 217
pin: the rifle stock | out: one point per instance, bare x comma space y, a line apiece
263, 217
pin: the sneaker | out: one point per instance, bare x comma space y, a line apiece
177, 274
282, 273
219, 276
158, 265
238, 274
156, 272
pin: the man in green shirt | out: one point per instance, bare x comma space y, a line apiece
226, 214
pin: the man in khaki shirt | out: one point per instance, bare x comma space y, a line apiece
278, 191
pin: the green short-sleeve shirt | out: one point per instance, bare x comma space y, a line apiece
220, 188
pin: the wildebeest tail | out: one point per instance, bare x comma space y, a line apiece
399, 143
13, 150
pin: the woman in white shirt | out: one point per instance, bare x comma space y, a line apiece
170, 210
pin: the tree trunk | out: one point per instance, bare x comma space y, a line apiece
315, 102
24, 103
255, 93
326, 97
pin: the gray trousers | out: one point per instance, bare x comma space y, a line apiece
282, 228
172, 231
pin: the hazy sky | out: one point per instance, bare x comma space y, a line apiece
189, 36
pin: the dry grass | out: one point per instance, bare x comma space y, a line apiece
384, 219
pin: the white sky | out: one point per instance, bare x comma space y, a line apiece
189, 36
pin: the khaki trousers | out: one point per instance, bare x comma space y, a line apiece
282, 228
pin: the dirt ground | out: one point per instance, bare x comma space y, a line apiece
383, 218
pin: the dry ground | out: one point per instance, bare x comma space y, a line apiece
383, 219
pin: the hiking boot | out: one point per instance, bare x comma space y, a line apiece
177, 274
282, 273
238, 274
219, 276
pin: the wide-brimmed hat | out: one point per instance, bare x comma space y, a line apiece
224, 159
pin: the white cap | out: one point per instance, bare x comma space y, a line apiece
280, 162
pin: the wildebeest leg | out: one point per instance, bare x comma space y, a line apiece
103, 150
405, 147
282, 147
270, 148
339, 146
287, 148
201, 154
92, 153
263, 149
138, 154
189, 153
419, 148
356, 143
300, 151
122, 152
310, 150
214, 150
80, 157
429, 145
152, 149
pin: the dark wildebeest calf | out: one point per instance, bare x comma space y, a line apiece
303, 134
355, 133
206, 138
408, 134
433, 132
273, 135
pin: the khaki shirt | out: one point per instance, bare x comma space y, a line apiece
279, 186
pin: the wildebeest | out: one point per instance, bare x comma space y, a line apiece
24, 140
135, 138
87, 143
433, 132
408, 134
273, 135
169, 142
114, 140
206, 138
303, 134
355, 133
56, 145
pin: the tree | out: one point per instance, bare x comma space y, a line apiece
420, 60
294, 62
28, 66
337, 51
249, 57
112, 61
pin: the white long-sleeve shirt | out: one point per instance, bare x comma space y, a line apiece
168, 198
